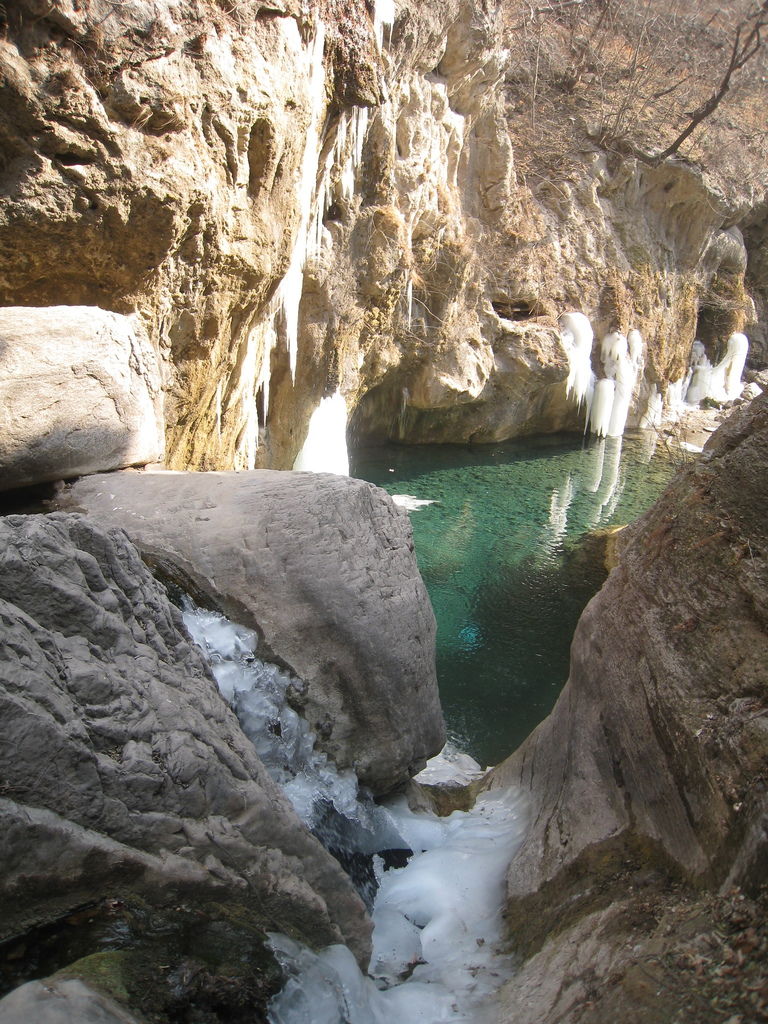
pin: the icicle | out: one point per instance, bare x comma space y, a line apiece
636, 348
622, 365
576, 334
383, 18
602, 404
289, 293
700, 385
359, 130
614, 350
673, 400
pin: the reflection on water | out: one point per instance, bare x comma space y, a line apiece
495, 548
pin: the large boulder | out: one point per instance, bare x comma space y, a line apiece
655, 756
126, 777
80, 392
323, 568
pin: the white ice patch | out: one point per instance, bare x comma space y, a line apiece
325, 447
720, 383
623, 359
451, 765
602, 406
652, 416
383, 19
411, 502
437, 937
437, 945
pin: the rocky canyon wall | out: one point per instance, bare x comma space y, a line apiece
647, 781
293, 200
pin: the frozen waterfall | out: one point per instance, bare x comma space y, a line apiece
609, 398
438, 950
720, 383
576, 336
325, 447
622, 358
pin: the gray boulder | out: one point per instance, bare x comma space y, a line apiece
80, 392
323, 568
124, 772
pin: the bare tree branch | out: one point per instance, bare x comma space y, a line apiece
742, 51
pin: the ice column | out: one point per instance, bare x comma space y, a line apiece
576, 335
289, 292
725, 384
623, 361
602, 404
721, 383
325, 447
701, 375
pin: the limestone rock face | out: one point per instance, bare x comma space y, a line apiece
294, 203
80, 392
323, 568
125, 774
656, 751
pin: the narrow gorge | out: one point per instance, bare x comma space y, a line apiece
246, 246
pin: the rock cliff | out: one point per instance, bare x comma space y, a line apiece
649, 775
293, 199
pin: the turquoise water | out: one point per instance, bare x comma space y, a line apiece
498, 551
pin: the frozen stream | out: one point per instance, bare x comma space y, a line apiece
437, 952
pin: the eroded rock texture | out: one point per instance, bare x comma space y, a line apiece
323, 567
291, 206
655, 754
125, 775
80, 392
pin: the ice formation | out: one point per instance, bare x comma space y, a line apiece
258, 692
623, 363
319, 186
576, 335
437, 929
602, 406
437, 943
410, 502
383, 19
651, 418
721, 383
325, 447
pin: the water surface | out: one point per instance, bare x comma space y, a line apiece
498, 550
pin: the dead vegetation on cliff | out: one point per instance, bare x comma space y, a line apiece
650, 79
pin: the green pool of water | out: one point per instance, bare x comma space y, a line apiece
498, 553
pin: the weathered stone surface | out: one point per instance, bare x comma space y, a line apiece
323, 567
646, 959
657, 750
80, 392
124, 772
60, 1002
161, 156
